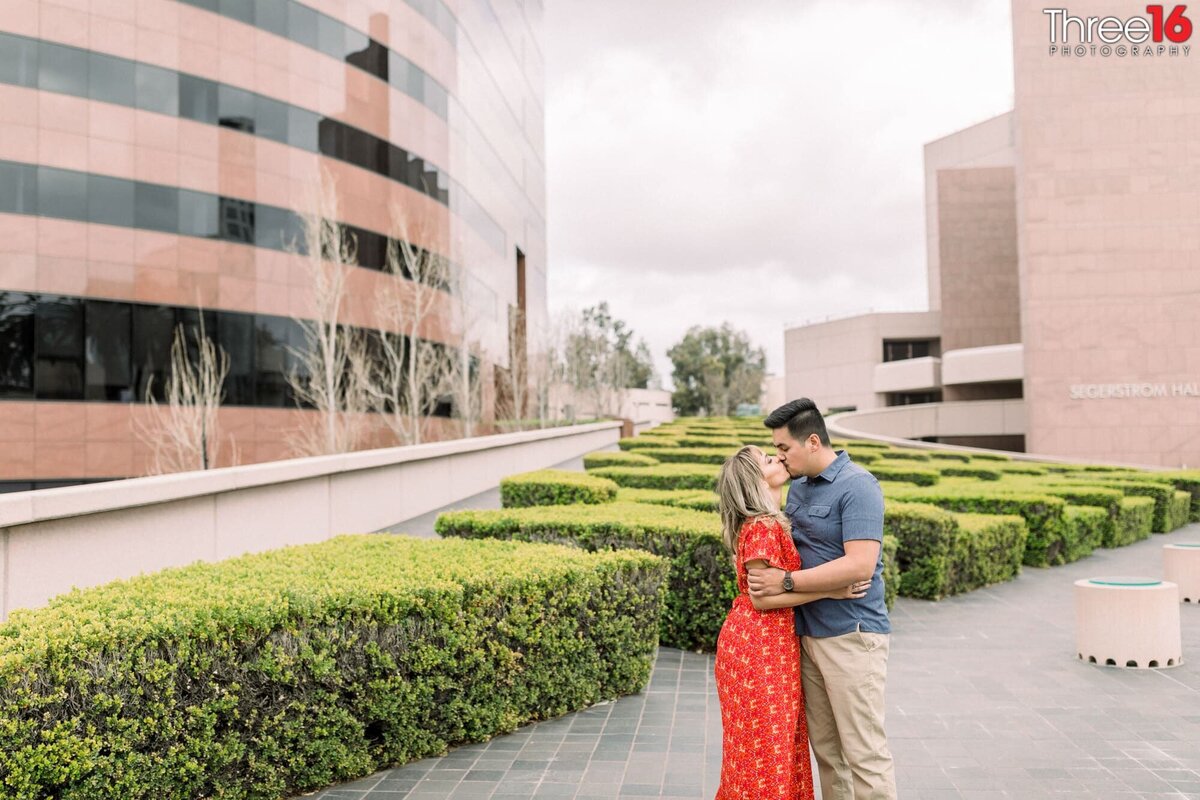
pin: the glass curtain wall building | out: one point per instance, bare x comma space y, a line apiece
156, 159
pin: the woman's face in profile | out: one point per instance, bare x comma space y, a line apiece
773, 471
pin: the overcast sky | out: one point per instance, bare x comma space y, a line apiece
759, 161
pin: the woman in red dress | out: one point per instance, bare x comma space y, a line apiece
765, 736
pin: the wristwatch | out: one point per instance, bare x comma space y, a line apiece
787, 582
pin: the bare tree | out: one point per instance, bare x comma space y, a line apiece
513, 396
412, 370
184, 432
333, 367
463, 376
546, 370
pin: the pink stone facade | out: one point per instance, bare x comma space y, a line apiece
490, 142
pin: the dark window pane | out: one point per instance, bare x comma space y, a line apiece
16, 344
331, 37
236, 220
197, 99
198, 214
157, 89
110, 200
272, 16
58, 372
235, 108
156, 208
278, 229
302, 128
63, 69
397, 70
18, 188
110, 79
18, 60
153, 329
235, 335
302, 25
271, 118
273, 362
62, 193
358, 47
107, 350
238, 9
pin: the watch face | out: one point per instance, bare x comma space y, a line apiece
787, 582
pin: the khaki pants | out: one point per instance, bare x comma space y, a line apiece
843, 679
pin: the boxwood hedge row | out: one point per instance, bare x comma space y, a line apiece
555, 487
273, 674
617, 458
663, 476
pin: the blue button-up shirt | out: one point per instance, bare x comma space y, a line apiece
841, 504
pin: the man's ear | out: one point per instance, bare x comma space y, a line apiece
814, 440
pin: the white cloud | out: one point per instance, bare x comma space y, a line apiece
755, 162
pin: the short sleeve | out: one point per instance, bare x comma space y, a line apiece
862, 509
759, 541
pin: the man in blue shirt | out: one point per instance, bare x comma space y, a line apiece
836, 510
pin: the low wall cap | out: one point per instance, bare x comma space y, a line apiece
1125, 581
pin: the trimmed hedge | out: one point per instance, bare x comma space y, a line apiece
921, 477
924, 534
1135, 520
1163, 494
701, 584
941, 553
1113, 530
690, 455
989, 457
1180, 511
663, 476
555, 487
966, 471
695, 499
619, 458
643, 441
1187, 481
937, 455
891, 570
989, 548
1087, 527
904, 455
1043, 513
273, 674
708, 442
864, 456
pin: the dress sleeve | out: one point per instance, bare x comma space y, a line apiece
758, 541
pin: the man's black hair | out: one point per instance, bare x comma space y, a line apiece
801, 418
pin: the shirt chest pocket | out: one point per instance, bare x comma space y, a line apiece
818, 511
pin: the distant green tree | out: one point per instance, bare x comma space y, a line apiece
714, 370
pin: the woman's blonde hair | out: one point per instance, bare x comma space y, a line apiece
743, 494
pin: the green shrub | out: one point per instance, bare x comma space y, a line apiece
1163, 494
943, 553
701, 587
891, 570
1187, 481
921, 477
979, 473
1087, 527
989, 457
937, 455
696, 499
725, 443
1016, 468
619, 458
644, 441
1043, 513
663, 476
904, 455
1180, 511
924, 534
988, 548
555, 487
1135, 522
273, 674
691, 455
864, 456
1108, 500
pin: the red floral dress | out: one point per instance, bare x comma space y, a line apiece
765, 742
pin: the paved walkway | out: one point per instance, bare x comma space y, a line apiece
985, 700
